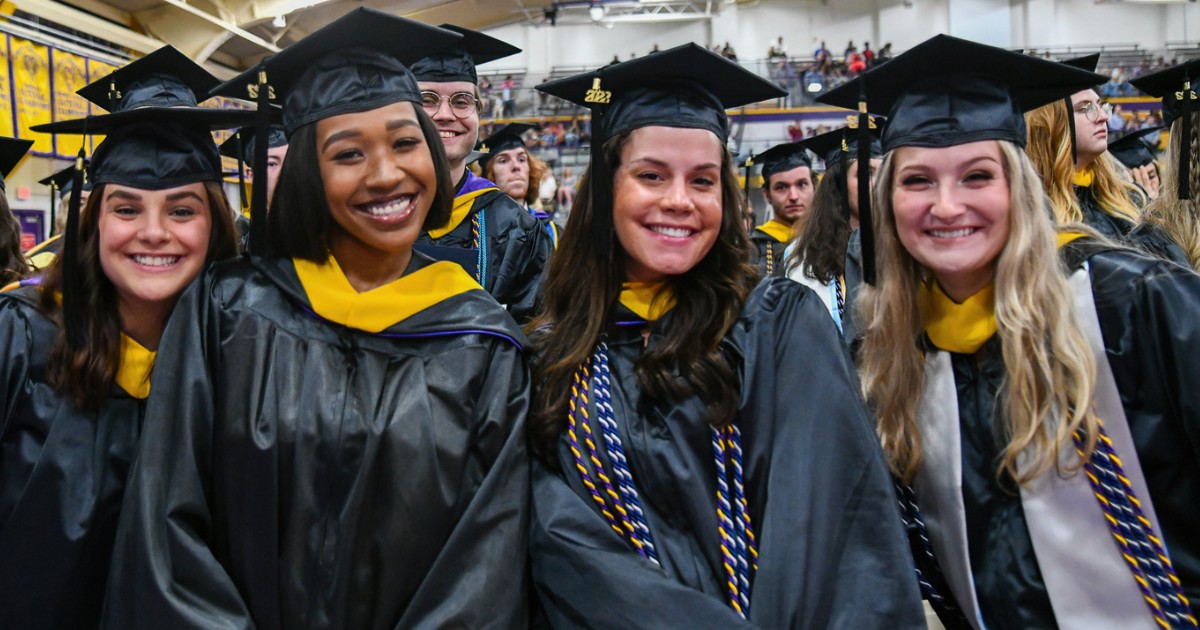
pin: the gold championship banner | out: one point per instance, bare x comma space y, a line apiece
31, 83
70, 74
6, 108
96, 70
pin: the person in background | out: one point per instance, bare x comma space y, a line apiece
826, 255
240, 146
1137, 157
61, 183
13, 266
1176, 210
1034, 387
678, 404
78, 343
337, 439
1069, 149
516, 172
492, 237
788, 190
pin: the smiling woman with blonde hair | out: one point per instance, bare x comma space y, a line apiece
1034, 389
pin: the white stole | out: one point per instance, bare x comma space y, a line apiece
1088, 582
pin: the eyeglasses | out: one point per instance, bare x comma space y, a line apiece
1092, 110
461, 103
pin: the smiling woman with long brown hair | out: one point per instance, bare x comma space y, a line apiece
339, 440
706, 460
79, 342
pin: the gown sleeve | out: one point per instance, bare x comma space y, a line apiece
485, 558
14, 364
521, 265
164, 573
587, 577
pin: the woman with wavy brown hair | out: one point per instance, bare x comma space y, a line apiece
79, 341
1034, 388
1069, 151
827, 255
694, 470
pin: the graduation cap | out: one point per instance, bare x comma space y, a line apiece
1174, 86
457, 62
354, 64
240, 145
61, 183
164, 86
948, 91
783, 157
842, 143
1086, 62
1131, 149
684, 87
11, 152
504, 139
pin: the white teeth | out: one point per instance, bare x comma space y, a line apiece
446, 134
395, 206
671, 231
156, 261
952, 233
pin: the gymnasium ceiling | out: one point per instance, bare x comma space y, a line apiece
230, 35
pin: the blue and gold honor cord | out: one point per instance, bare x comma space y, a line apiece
620, 503
1142, 549
479, 240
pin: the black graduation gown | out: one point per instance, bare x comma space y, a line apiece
766, 246
308, 474
854, 278
518, 248
1150, 239
1147, 310
831, 551
62, 476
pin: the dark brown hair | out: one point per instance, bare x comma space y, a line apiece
582, 288
825, 232
299, 224
86, 374
12, 261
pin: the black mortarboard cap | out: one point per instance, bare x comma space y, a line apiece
457, 62
1174, 86
1131, 149
354, 64
63, 180
686, 86
948, 91
1086, 62
842, 143
156, 156
507, 137
147, 89
783, 157
163, 78
11, 152
275, 138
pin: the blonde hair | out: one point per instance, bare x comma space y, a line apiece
1177, 217
1049, 368
1049, 148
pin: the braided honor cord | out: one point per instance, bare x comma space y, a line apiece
739, 549
1142, 549
620, 503
770, 260
479, 240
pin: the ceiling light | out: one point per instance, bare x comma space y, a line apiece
596, 12
279, 21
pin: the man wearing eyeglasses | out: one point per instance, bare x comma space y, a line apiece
489, 234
